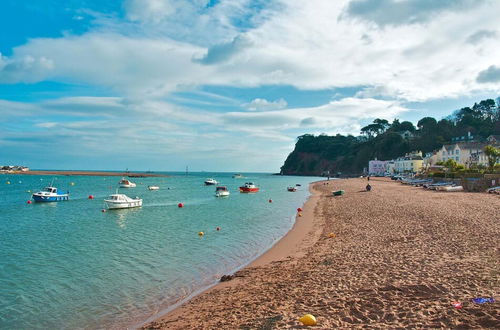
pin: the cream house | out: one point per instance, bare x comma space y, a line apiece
410, 163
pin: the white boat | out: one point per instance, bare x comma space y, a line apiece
210, 182
221, 191
153, 188
121, 201
237, 176
125, 183
450, 188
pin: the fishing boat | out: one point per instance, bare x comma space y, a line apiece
291, 189
450, 188
50, 194
153, 188
121, 201
210, 182
221, 191
249, 187
338, 193
125, 183
237, 176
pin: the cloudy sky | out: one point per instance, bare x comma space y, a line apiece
228, 85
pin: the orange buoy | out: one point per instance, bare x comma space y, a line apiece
218, 228
180, 205
299, 210
91, 196
103, 210
201, 233
308, 319
28, 202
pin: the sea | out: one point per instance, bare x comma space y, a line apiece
69, 265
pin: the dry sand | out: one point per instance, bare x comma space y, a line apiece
400, 257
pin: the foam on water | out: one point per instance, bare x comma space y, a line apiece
69, 265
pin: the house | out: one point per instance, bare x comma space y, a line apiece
376, 167
410, 163
407, 135
431, 158
461, 152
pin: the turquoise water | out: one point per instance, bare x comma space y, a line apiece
68, 265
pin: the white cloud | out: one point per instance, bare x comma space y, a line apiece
259, 104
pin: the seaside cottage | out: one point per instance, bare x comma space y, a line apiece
377, 167
410, 163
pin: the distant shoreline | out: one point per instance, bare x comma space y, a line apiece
91, 173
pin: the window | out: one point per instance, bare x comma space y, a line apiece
456, 152
457, 158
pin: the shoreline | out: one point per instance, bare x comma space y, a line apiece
290, 243
90, 173
399, 257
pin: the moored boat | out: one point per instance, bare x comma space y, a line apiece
210, 182
237, 176
153, 188
249, 187
121, 201
291, 189
50, 194
221, 191
125, 183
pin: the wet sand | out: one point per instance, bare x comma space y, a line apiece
92, 173
400, 257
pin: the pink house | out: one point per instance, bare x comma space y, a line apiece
377, 167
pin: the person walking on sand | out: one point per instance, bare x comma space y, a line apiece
368, 187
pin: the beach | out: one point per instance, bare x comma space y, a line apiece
397, 256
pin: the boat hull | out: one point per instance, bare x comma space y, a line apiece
222, 194
248, 190
130, 185
50, 198
112, 205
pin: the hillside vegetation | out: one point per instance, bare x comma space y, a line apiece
314, 155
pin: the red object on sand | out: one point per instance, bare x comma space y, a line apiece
299, 210
457, 305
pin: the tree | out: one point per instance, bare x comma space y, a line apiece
406, 126
427, 124
493, 155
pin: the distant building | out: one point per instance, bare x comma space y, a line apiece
464, 153
407, 135
493, 139
377, 167
410, 163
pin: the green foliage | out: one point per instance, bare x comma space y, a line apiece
493, 155
348, 154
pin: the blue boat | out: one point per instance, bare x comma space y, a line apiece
50, 194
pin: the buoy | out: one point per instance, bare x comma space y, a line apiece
180, 205
308, 319
103, 210
218, 228
300, 214
8, 182
331, 235
28, 202
91, 196
299, 210
72, 183
270, 200
28, 191
201, 233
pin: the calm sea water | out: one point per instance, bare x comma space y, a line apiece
68, 265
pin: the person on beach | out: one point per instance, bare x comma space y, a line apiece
368, 187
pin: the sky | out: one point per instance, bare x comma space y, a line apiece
228, 85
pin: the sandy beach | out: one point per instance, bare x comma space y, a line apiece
400, 256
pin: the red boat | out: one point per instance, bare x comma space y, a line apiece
249, 187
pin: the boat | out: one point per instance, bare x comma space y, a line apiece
221, 191
338, 193
249, 187
237, 176
210, 182
121, 201
291, 189
450, 188
153, 188
50, 194
125, 183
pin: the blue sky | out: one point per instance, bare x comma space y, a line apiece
228, 85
